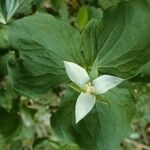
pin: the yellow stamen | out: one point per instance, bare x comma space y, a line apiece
88, 88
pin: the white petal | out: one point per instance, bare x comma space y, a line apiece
105, 82
84, 104
76, 73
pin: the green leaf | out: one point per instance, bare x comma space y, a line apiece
120, 42
2, 142
2, 17
107, 3
43, 43
3, 65
146, 70
9, 7
70, 147
96, 13
47, 144
103, 128
10, 122
85, 14
82, 17
4, 38
7, 95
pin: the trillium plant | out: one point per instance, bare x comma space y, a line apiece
89, 89
95, 45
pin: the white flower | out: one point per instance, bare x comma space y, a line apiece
89, 89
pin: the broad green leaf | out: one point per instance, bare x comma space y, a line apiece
10, 122
107, 3
82, 17
103, 128
120, 42
96, 13
43, 43
85, 14
9, 7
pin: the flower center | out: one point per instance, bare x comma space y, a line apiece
88, 88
